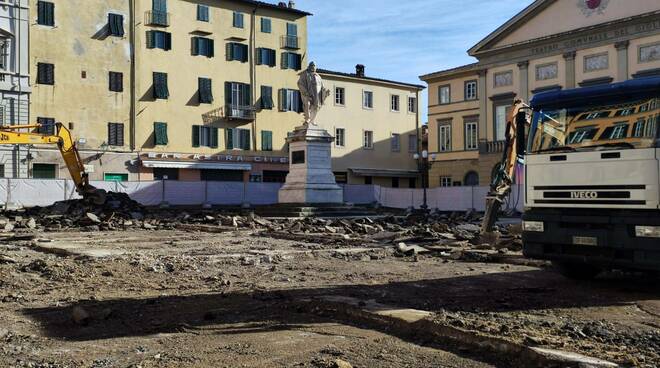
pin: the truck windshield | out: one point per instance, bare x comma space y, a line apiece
631, 125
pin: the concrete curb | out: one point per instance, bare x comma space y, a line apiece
419, 325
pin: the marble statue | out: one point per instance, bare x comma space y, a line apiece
312, 93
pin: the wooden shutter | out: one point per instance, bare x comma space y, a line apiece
116, 24
272, 58
246, 95
112, 134
266, 97
291, 29
228, 93
167, 38
120, 134
205, 91
285, 60
260, 56
211, 48
230, 51
195, 46
214, 137
159, 5
160, 134
244, 52
195, 135
229, 138
266, 140
283, 99
50, 73
245, 139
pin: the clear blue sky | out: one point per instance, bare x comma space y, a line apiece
401, 39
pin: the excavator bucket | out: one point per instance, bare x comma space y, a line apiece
94, 195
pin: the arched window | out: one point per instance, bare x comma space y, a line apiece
471, 179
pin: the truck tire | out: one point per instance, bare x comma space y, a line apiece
577, 271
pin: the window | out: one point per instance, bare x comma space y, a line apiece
266, 140
4, 52
503, 79
159, 40
444, 95
444, 138
368, 141
202, 13
116, 81
395, 142
502, 112
412, 183
272, 176
290, 100
266, 57
44, 171
412, 143
47, 126
266, 25
160, 86
618, 131
471, 136
238, 20
160, 134
341, 177
648, 53
115, 134
395, 103
291, 39
116, 24
202, 46
471, 179
291, 29
395, 182
45, 13
45, 73
596, 62
412, 104
237, 51
238, 96
471, 90
205, 90
340, 96
582, 134
221, 175
204, 136
368, 99
368, 180
291, 60
643, 128
340, 137
547, 71
238, 138
267, 97
159, 14
445, 181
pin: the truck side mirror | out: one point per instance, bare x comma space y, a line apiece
521, 136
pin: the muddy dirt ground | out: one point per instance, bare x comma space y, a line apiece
176, 298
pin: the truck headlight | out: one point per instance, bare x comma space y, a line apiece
533, 226
647, 231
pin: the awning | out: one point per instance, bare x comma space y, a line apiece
385, 173
195, 165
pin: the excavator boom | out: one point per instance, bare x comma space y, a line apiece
15, 134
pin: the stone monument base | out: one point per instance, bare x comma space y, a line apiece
310, 179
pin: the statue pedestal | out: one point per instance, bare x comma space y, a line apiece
310, 179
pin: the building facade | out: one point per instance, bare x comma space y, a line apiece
193, 90
375, 124
15, 88
552, 44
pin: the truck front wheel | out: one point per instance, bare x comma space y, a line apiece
577, 271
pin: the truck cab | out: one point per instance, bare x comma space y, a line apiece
592, 178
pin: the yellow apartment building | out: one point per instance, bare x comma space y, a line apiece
375, 124
552, 44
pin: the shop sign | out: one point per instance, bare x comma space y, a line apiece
216, 158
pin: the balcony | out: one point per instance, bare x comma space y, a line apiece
491, 147
236, 112
290, 42
157, 18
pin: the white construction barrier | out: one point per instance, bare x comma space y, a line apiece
42, 192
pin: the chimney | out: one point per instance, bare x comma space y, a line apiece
292, 4
359, 70
281, 4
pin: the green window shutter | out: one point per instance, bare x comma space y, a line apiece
246, 95
116, 24
244, 53
228, 93
266, 97
245, 139
229, 138
214, 137
168, 41
211, 47
195, 135
205, 90
260, 56
265, 25
285, 60
291, 29
273, 58
229, 51
266, 140
160, 134
159, 5
195, 46
283, 99
150, 39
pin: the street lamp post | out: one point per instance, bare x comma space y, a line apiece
424, 164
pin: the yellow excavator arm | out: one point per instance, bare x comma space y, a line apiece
16, 134
502, 183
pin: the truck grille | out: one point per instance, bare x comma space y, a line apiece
589, 194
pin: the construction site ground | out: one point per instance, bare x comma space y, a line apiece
197, 297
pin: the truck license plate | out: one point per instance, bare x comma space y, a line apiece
585, 240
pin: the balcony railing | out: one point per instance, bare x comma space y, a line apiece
491, 147
290, 42
240, 112
157, 18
